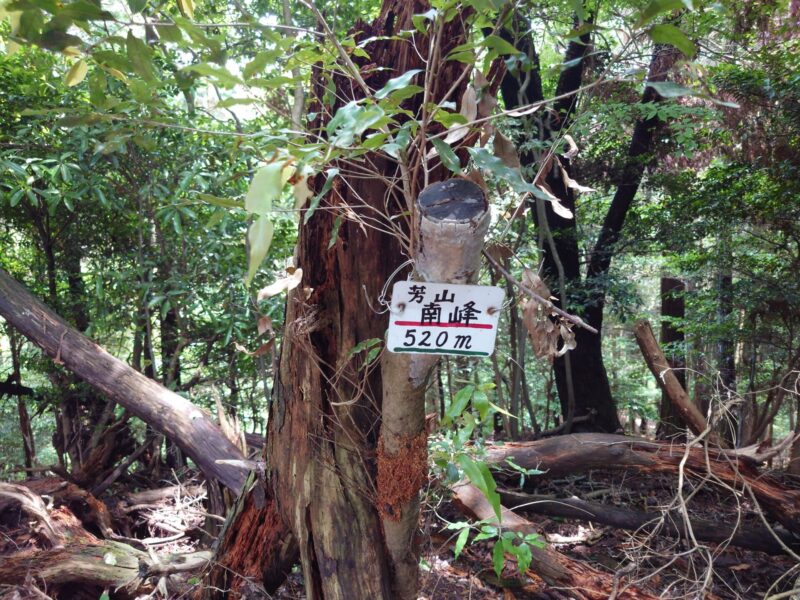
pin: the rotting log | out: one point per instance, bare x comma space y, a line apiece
668, 382
167, 412
105, 564
453, 220
581, 580
581, 452
671, 524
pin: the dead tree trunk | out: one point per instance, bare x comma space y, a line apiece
668, 381
454, 218
165, 411
671, 524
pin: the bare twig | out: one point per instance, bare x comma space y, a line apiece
548, 304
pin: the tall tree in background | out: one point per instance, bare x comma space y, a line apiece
582, 390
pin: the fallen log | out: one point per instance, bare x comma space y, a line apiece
167, 412
157, 495
581, 452
670, 525
105, 563
58, 551
581, 580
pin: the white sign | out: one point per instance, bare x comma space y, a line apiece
444, 318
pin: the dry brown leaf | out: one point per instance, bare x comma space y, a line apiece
475, 177
469, 110
558, 208
264, 325
499, 252
573, 147
504, 149
544, 332
571, 183
523, 111
260, 351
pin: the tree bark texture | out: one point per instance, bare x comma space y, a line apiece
169, 413
581, 452
326, 412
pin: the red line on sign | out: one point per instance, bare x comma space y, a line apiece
420, 324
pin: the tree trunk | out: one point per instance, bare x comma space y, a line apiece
671, 425
325, 416
454, 218
167, 412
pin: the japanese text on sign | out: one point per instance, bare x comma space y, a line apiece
443, 318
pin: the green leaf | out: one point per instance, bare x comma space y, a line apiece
500, 46
228, 102
312, 206
480, 401
259, 238
221, 74
398, 84
419, 20
16, 197
256, 65
187, 8
656, 7
670, 89
449, 158
352, 120
669, 34
170, 33
217, 201
461, 541
139, 55
77, 73
498, 558
265, 187
137, 6
459, 403
335, 232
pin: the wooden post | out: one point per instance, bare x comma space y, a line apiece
453, 218
667, 380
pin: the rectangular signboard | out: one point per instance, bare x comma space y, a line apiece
444, 318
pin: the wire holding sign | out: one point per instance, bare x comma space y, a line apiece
444, 318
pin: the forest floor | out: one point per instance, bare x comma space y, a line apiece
665, 567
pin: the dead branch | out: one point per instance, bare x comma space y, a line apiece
581, 452
670, 524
